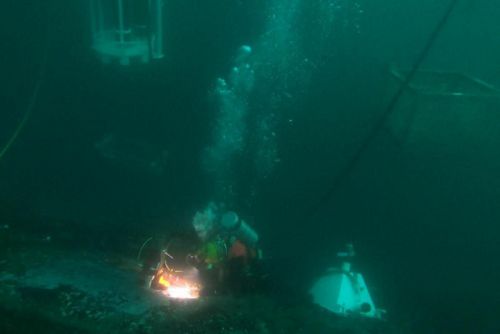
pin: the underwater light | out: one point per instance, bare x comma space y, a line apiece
175, 285
182, 292
125, 30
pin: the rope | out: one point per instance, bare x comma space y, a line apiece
32, 102
139, 254
353, 162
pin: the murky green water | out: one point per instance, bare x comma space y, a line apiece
280, 110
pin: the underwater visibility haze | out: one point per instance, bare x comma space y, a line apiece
249, 166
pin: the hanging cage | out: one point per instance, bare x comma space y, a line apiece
127, 30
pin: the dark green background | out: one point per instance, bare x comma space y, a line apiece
425, 223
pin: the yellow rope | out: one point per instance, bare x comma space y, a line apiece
31, 105
26, 116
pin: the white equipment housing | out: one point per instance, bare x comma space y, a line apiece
125, 30
344, 292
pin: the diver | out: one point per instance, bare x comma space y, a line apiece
228, 253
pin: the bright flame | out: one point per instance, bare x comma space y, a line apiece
182, 292
163, 282
175, 287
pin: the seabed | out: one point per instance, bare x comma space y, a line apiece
47, 286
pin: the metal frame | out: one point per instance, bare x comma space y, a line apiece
114, 38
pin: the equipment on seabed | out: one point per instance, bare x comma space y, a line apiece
126, 30
343, 291
173, 280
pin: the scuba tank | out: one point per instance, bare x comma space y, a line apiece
231, 223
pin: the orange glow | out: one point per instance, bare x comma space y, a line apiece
163, 282
174, 286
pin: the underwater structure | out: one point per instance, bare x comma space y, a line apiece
127, 30
448, 112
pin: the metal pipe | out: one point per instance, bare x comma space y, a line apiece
157, 16
120, 21
93, 20
100, 17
